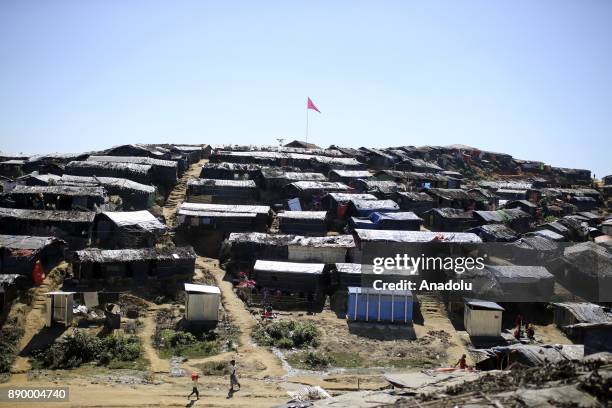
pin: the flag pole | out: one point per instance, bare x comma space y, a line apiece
307, 124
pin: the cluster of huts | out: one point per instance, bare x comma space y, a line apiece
99, 212
307, 223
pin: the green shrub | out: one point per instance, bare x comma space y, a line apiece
288, 334
9, 338
315, 360
80, 348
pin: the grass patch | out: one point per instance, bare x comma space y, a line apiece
81, 348
218, 368
288, 334
9, 339
311, 360
170, 342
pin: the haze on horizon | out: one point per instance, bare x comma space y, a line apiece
531, 79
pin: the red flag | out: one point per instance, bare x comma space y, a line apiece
312, 106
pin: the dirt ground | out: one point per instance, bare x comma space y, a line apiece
265, 376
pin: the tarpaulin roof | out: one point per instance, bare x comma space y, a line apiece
346, 197
142, 219
136, 168
337, 241
288, 267
483, 304
26, 242
134, 159
222, 183
95, 255
60, 190
535, 355
501, 216
48, 215
352, 173
303, 215
415, 236
320, 185
382, 205
586, 312
191, 287
227, 208
454, 213
116, 182
351, 268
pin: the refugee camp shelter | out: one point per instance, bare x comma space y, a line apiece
482, 318
230, 171
287, 284
111, 265
9, 288
133, 195
494, 233
19, 253
310, 193
274, 179
448, 219
74, 227
223, 217
383, 189
126, 229
302, 222
59, 197
363, 208
385, 243
451, 198
366, 304
163, 172
202, 303
523, 283
418, 203
401, 221
348, 176
515, 218
59, 308
140, 173
246, 248
222, 191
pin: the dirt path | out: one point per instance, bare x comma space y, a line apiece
177, 195
157, 364
436, 318
248, 354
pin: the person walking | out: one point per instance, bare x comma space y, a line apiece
194, 379
233, 378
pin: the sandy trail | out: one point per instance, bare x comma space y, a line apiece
177, 195
248, 353
157, 364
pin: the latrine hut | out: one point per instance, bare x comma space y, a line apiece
126, 229
202, 304
302, 222
482, 318
222, 191
59, 197
74, 227
59, 308
129, 265
366, 304
19, 253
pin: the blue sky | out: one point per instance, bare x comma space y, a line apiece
530, 78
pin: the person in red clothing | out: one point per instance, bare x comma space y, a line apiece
462, 363
194, 378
